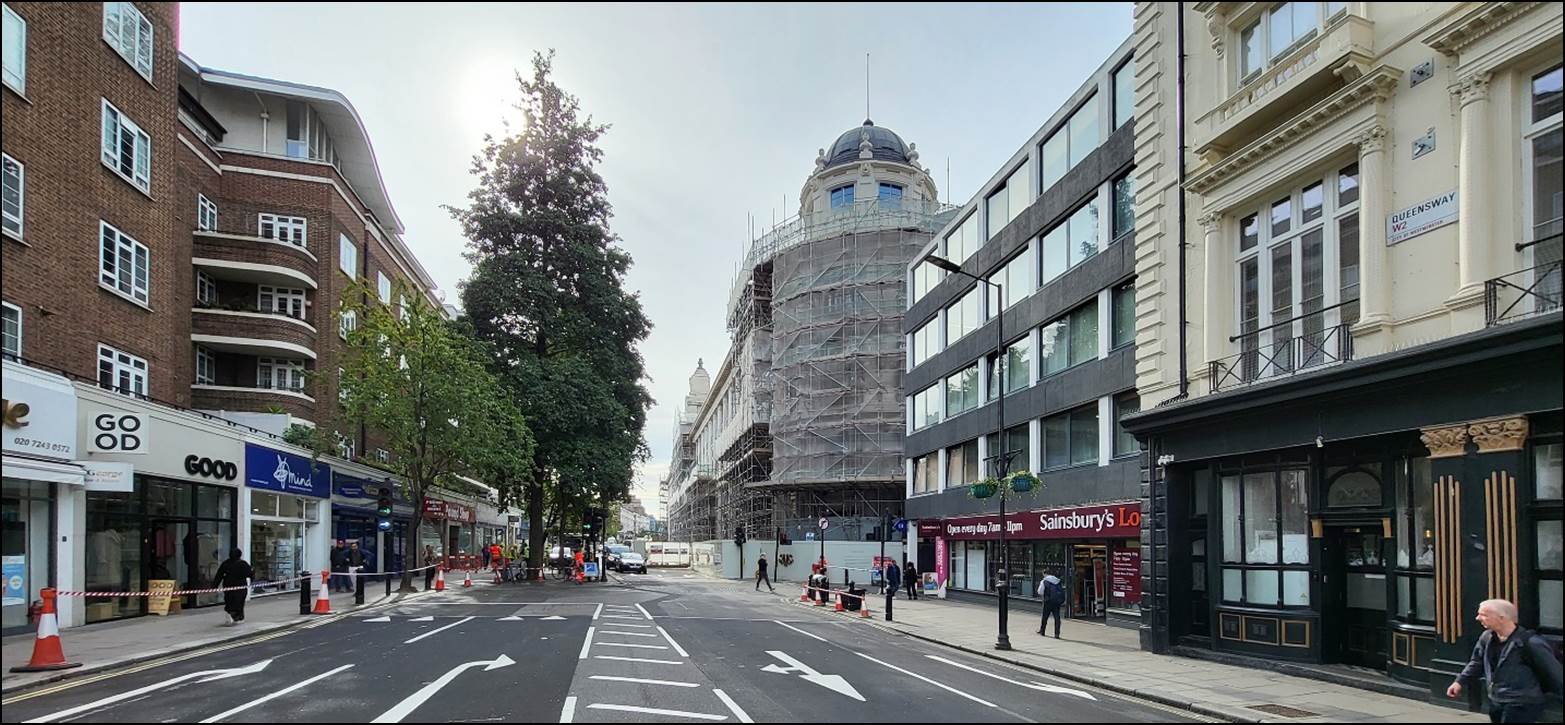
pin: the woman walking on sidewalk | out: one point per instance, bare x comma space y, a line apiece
235, 572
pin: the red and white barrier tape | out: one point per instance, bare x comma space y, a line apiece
215, 590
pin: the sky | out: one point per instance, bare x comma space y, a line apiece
716, 113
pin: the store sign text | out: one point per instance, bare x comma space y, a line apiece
1112, 521
119, 433
198, 466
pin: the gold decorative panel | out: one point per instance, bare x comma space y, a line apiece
1500, 526
1499, 434
1448, 558
1448, 442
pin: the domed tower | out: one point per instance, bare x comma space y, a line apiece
866, 164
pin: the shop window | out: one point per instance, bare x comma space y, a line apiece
1549, 569
1415, 541
1265, 536
1353, 489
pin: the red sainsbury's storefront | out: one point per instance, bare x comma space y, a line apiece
1095, 550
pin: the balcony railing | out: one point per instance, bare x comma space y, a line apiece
1522, 294
1274, 351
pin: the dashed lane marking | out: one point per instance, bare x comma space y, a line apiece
628, 634
622, 624
296, 686
628, 644
434, 632
917, 676
656, 711
637, 659
640, 681
568, 710
587, 643
732, 706
800, 631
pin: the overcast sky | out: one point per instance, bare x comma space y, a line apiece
716, 115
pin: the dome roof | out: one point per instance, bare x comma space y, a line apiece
885, 145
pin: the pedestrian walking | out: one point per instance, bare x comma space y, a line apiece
1053, 595
494, 555
339, 566
234, 572
893, 583
355, 560
483, 554
760, 575
910, 579
1518, 666
429, 574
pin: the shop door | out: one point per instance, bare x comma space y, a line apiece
1089, 580
1354, 628
168, 548
1200, 600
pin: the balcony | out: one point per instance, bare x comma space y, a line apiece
252, 333
1523, 294
1321, 64
249, 258
252, 399
1277, 351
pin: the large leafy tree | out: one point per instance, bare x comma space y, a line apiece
411, 375
547, 296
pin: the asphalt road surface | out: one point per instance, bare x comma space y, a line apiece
665, 647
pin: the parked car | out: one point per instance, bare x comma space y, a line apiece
612, 553
631, 561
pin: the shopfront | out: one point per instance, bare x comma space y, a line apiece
450, 528
39, 446
288, 498
1094, 550
354, 518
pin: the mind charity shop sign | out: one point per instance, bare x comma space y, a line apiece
274, 470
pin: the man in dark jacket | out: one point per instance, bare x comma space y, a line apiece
761, 575
234, 572
910, 579
1052, 592
893, 583
355, 560
1518, 666
339, 566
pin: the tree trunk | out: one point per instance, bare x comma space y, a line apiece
418, 551
536, 533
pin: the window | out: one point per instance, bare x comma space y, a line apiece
12, 336
402, 307
925, 277
1250, 62
1124, 442
307, 137
926, 407
1290, 23
129, 32
1071, 439
1015, 280
126, 148
1071, 142
962, 464
1124, 331
963, 241
1070, 340
346, 447
962, 317
278, 374
1124, 207
15, 51
281, 301
926, 474
1017, 443
121, 372
382, 455
1266, 549
925, 342
206, 289
1543, 175
1072, 242
1015, 372
1124, 92
1282, 29
383, 285
346, 323
1549, 570
342, 390
206, 367
962, 391
206, 213
1415, 540
890, 196
291, 229
842, 196
13, 177
122, 264
347, 256
1008, 200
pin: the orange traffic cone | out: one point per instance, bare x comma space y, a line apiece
804, 596
839, 606
47, 653
440, 578
323, 600
497, 576
467, 579
864, 610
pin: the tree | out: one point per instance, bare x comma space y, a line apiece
547, 297
412, 376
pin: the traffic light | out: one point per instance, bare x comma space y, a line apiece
739, 535
383, 510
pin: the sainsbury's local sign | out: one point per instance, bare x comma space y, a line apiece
1102, 521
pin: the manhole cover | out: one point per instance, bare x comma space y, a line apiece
1283, 710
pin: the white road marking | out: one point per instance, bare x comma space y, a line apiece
512, 618
627, 634
638, 659
200, 677
732, 706
622, 624
1040, 688
638, 680
411, 702
627, 644
677, 648
835, 683
568, 712
657, 711
275, 695
619, 616
587, 643
379, 619
644, 611
422, 619
915, 675
597, 612
800, 631
553, 618
434, 632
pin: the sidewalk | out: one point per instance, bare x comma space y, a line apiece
111, 644
1111, 658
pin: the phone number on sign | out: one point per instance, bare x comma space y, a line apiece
21, 442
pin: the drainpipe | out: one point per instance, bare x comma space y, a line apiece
1184, 322
266, 118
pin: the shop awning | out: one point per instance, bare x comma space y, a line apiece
34, 469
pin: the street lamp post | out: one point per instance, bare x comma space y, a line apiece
1001, 459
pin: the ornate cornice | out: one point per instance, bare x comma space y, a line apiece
1499, 434
1472, 88
1210, 221
1372, 139
1467, 28
1448, 442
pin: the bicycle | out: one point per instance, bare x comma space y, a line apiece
563, 572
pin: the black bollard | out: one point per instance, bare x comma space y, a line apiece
891, 595
388, 583
358, 587
304, 594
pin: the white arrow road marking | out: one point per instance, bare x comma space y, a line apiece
422, 619
296, 686
1041, 688
411, 702
434, 632
657, 711
835, 683
568, 711
379, 619
915, 675
199, 677
733, 706
639, 681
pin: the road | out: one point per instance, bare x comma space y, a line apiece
665, 647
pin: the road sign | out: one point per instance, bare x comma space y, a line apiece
824, 523
902, 525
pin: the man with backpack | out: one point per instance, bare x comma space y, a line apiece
1518, 666
1053, 595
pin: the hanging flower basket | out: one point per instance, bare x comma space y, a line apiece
985, 488
1022, 482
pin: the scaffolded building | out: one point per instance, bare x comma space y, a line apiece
805, 419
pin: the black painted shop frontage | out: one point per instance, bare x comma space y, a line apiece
1357, 514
